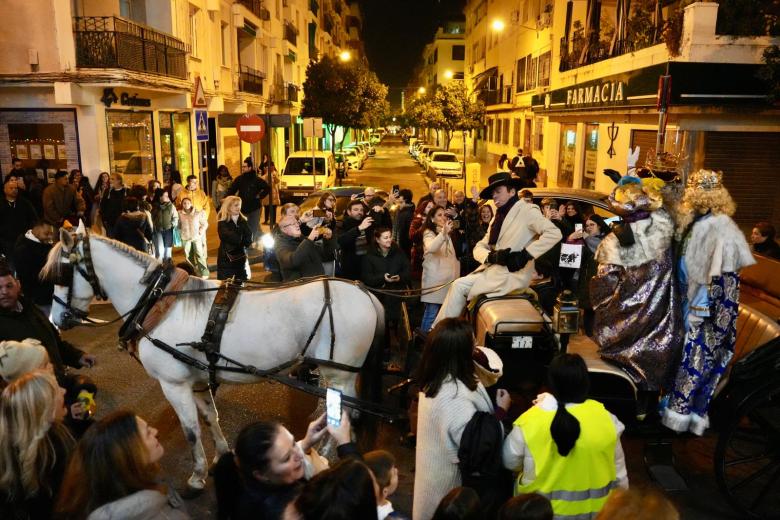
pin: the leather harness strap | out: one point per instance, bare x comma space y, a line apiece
327, 305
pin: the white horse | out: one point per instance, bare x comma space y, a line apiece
265, 328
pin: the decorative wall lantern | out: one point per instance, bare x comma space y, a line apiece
566, 316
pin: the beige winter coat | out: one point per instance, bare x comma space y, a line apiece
440, 264
522, 224
193, 224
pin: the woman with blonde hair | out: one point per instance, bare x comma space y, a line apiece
235, 237
34, 445
114, 473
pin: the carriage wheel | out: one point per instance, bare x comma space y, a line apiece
747, 457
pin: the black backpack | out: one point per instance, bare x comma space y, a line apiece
479, 460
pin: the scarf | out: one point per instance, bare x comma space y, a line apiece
498, 220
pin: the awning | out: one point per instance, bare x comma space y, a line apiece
481, 79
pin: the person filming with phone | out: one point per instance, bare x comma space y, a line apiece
268, 469
298, 255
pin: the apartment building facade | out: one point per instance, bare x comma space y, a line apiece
111, 85
577, 103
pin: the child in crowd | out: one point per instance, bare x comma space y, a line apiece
382, 465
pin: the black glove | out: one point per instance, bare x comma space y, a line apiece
517, 260
498, 257
624, 234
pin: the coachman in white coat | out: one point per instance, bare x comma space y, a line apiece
517, 235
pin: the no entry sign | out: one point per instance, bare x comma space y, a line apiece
250, 128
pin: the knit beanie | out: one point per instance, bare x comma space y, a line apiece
19, 357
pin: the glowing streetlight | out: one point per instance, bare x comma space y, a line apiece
345, 56
497, 25
448, 74
421, 90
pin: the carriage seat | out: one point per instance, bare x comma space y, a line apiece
754, 328
760, 286
510, 315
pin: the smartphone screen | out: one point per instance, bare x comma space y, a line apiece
333, 406
577, 227
396, 188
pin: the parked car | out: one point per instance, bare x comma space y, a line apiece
298, 179
354, 158
342, 164
376, 138
369, 147
426, 157
444, 164
421, 151
361, 149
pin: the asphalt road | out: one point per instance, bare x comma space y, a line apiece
123, 383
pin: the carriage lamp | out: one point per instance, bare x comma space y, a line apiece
566, 316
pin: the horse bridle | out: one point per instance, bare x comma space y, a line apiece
87, 271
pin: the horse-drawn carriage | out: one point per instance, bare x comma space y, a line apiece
746, 410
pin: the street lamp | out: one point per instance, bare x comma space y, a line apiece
497, 25
345, 56
421, 90
448, 74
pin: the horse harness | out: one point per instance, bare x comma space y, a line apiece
87, 272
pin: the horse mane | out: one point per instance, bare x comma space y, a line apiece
53, 268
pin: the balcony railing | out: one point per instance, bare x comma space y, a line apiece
572, 51
290, 33
112, 42
250, 80
489, 97
314, 7
506, 94
256, 7
285, 93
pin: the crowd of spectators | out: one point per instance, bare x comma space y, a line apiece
58, 462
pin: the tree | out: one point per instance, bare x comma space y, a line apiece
458, 112
343, 94
425, 112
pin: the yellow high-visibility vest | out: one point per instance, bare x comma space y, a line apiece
577, 485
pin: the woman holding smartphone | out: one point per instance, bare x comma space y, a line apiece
440, 262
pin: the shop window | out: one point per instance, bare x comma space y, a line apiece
539, 133
505, 133
176, 144
40, 147
567, 152
131, 145
489, 130
591, 156
516, 134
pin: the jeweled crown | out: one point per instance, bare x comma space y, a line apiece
705, 180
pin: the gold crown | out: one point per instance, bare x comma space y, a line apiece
705, 180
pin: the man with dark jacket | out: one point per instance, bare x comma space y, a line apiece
252, 190
112, 203
20, 319
31, 251
62, 202
300, 257
16, 217
353, 239
402, 221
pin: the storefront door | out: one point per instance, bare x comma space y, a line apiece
176, 143
566, 156
131, 145
591, 155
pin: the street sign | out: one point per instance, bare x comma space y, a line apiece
202, 125
199, 101
250, 128
312, 127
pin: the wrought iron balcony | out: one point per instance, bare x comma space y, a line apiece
257, 7
285, 93
489, 97
290, 33
314, 7
112, 42
292, 92
250, 80
572, 51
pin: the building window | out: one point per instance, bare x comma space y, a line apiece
539, 133
516, 134
530, 72
457, 75
497, 134
458, 52
505, 133
194, 12
225, 38
489, 132
520, 75
131, 145
544, 69
435, 55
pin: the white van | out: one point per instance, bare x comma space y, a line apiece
298, 179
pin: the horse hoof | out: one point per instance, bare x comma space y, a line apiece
189, 492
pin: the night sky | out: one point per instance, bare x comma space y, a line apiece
395, 32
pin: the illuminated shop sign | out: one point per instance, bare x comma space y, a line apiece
609, 92
125, 99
